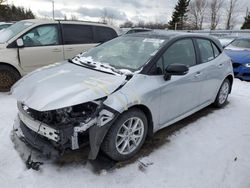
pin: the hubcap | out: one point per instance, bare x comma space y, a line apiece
129, 135
223, 93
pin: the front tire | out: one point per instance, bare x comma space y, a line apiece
126, 136
221, 98
8, 76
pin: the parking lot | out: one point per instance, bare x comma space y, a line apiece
207, 149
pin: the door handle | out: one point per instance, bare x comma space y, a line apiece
220, 65
69, 49
56, 50
198, 74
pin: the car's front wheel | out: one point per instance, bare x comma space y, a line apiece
223, 93
126, 135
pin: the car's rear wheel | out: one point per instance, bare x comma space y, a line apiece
126, 135
221, 98
8, 76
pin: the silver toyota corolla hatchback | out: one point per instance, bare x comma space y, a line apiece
118, 93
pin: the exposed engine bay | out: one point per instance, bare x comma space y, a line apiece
71, 115
68, 128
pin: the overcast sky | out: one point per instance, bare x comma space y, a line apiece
121, 10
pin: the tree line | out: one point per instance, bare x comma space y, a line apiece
200, 14
14, 13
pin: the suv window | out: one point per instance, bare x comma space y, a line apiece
104, 34
77, 34
42, 36
216, 51
206, 50
181, 52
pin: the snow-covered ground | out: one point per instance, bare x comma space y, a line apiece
213, 151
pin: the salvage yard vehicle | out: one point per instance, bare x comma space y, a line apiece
30, 44
239, 52
117, 94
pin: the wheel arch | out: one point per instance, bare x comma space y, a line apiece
230, 78
149, 116
13, 67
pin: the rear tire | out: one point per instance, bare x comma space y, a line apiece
8, 76
126, 136
221, 98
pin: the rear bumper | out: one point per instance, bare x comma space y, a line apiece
242, 72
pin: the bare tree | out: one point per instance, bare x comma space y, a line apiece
230, 11
127, 24
215, 9
73, 17
197, 9
107, 18
104, 18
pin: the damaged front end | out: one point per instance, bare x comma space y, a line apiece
52, 132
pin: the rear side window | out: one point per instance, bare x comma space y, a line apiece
216, 51
77, 34
206, 50
181, 52
103, 34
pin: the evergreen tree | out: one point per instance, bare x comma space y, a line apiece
246, 24
179, 16
13, 13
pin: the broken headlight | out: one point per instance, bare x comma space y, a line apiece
69, 115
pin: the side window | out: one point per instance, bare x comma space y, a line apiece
77, 34
42, 36
104, 34
216, 51
206, 50
181, 52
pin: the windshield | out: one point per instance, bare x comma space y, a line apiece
241, 43
13, 30
126, 52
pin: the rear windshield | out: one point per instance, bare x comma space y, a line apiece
13, 30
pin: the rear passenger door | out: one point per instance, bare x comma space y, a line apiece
212, 65
77, 38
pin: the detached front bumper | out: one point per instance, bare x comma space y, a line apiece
34, 140
53, 141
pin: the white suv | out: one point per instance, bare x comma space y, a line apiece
30, 44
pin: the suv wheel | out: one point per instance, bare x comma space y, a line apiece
126, 135
8, 76
223, 93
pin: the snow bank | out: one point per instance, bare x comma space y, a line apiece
211, 152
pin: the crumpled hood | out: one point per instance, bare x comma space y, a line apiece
239, 56
64, 84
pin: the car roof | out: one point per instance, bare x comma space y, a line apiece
245, 37
45, 21
38, 21
170, 34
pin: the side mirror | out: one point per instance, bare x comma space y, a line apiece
20, 43
175, 69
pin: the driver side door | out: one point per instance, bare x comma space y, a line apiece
180, 94
42, 46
